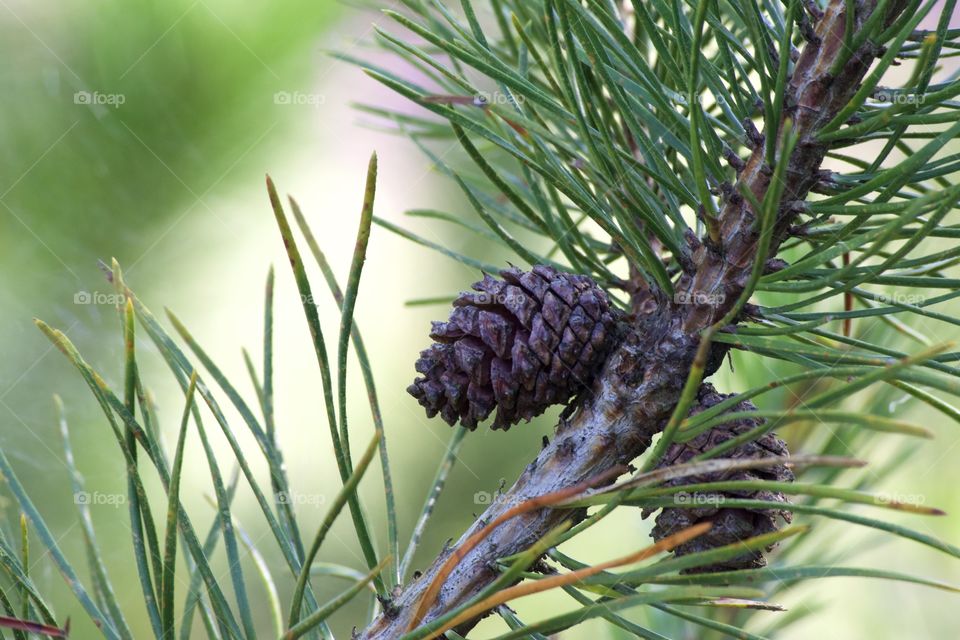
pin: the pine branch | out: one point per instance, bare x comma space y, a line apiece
659, 365
598, 161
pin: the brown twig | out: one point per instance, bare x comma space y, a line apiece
562, 580
538, 502
635, 394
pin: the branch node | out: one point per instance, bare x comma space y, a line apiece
813, 9
795, 207
712, 247
773, 265
798, 231
754, 139
826, 180
390, 610
807, 31
541, 567
752, 311
727, 191
567, 448
733, 159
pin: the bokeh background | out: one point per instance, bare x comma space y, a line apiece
143, 131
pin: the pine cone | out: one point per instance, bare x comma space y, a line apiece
729, 524
517, 345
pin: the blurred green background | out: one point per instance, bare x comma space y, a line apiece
143, 132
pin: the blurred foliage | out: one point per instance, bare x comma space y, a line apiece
89, 181
121, 122
195, 82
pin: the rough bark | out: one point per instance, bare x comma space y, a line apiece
641, 381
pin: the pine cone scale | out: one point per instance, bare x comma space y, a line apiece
496, 332
516, 345
730, 524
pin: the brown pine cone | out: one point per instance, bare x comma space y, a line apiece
517, 345
729, 524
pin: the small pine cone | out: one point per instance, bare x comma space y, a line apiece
729, 524
517, 345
